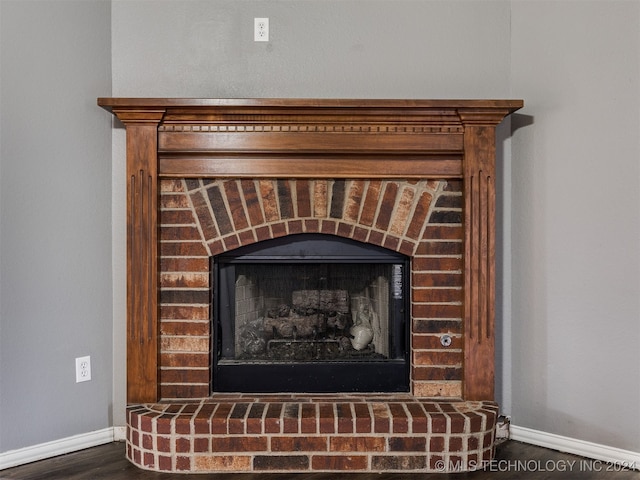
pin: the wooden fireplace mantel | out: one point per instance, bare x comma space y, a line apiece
309, 138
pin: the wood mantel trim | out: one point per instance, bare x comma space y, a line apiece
306, 138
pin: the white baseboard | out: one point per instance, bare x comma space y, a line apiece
34, 453
119, 434
616, 456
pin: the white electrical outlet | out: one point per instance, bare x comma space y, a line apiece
83, 369
260, 29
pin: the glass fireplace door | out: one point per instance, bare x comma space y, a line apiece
310, 313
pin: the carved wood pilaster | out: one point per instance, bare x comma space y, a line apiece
142, 253
479, 253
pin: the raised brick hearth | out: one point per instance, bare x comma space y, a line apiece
207, 176
276, 433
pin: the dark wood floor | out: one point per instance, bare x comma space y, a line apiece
514, 460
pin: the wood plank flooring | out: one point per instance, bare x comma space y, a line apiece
514, 460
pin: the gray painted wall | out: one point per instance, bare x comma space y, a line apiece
576, 220
55, 211
569, 260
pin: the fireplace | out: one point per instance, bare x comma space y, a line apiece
261, 235
310, 313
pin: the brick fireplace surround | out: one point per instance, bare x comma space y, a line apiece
207, 176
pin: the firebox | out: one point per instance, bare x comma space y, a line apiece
311, 313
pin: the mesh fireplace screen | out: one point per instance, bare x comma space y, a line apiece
310, 314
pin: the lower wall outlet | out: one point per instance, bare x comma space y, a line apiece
83, 369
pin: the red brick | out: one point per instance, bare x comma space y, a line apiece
437, 263
419, 216
400, 420
202, 444
457, 421
345, 418
370, 204
184, 359
327, 423
235, 204
402, 211
381, 418
183, 464
164, 463
291, 418
216, 247
253, 204
147, 441
344, 230
391, 243
263, 233
312, 226
441, 295
360, 234
363, 418
295, 226
437, 311
278, 229
231, 242
354, 200
406, 247
244, 443
451, 327
455, 444
438, 423
299, 444
184, 249
183, 444
309, 422
386, 206
303, 198
169, 201
398, 462
329, 227
436, 444
440, 248
145, 422
176, 217
437, 279
217, 463
219, 418
437, 373
418, 418
408, 444
236, 419
438, 357
269, 201
149, 460
181, 233
272, 422
376, 238
246, 237
357, 444
254, 418
443, 232
281, 462
340, 463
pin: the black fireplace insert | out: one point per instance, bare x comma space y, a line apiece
311, 313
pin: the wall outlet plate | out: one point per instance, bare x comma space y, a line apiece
261, 29
83, 369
